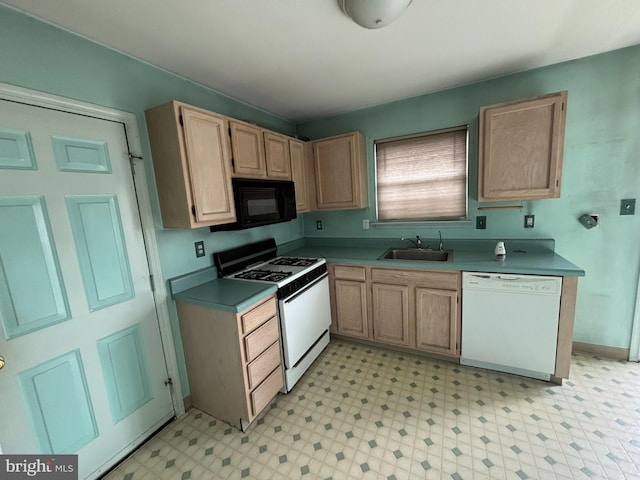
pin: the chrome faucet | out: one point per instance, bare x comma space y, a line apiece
417, 242
440, 236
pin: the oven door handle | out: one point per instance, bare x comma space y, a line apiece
306, 287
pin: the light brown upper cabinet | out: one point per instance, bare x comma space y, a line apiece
247, 148
301, 173
192, 165
341, 172
259, 153
520, 148
276, 154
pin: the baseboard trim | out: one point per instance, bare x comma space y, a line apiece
397, 348
614, 353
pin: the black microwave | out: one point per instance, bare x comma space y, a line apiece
261, 202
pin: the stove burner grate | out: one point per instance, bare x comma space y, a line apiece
268, 275
294, 261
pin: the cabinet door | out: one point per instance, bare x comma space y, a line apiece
299, 174
437, 321
390, 313
209, 166
341, 172
192, 165
248, 150
276, 149
351, 308
520, 149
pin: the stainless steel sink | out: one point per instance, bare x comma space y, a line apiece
417, 254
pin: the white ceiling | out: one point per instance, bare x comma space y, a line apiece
304, 59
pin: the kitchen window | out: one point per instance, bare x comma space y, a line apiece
422, 177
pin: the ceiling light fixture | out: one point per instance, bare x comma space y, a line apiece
374, 13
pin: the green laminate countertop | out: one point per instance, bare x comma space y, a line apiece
225, 294
532, 257
518, 260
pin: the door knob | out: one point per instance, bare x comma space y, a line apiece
1, 362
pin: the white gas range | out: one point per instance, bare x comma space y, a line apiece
303, 299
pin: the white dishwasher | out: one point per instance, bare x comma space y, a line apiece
510, 322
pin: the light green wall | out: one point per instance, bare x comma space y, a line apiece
40, 57
601, 166
602, 162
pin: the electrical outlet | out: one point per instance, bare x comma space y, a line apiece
365, 224
318, 224
529, 221
628, 206
199, 248
481, 222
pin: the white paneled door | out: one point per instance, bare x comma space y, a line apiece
84, 370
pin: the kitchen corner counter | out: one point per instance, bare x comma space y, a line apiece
228, 295
524, 257
202, 288
520, 259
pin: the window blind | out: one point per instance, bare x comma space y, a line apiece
422, 177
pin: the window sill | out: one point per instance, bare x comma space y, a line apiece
429, 223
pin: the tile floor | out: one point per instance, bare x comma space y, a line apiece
369, 413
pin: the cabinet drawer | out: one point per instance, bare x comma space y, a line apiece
260, 339
424, 278
257, 316
260, 368
350, 272
268, 389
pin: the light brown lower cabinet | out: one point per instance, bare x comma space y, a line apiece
349, 302
437, 321
233, 359
412, 308
390, 312
419, 309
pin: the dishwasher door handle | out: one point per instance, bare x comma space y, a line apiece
510, 278
477, 275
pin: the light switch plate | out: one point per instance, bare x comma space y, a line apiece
529, 221
628, 206
481, 222
589, 220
